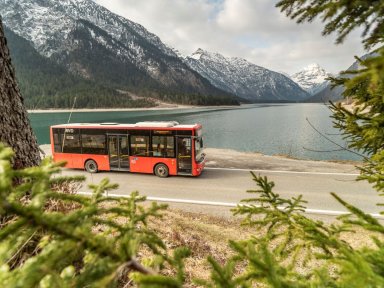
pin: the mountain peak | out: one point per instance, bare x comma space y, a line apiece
44, 22
93, 43
197, 54
311, 78
243, 78
201, 53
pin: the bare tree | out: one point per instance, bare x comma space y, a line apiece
15, 129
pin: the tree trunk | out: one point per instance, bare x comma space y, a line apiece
15, 130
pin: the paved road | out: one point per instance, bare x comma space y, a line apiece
230, 186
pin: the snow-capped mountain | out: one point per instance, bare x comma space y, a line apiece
98, 45
311, 78
327, 93
244, 79
48, 24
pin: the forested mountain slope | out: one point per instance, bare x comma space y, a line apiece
93, 44
45, 84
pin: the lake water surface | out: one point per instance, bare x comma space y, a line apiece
266, 128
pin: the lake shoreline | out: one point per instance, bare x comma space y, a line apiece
162, 107
82, 110
159, 108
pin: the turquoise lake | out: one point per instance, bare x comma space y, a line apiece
265, 128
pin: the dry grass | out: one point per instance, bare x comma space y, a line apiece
31, 248
66, 187
209, 236
203, 235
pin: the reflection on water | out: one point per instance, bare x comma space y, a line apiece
266, 128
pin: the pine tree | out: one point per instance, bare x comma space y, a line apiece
53, 239
363, 126
15, 129
292, 240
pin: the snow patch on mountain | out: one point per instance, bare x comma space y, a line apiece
48, 23
80, 34
244, 79
311, 78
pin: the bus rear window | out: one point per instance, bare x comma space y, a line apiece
58, 139
66, 141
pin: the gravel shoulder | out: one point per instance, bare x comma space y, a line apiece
225, 158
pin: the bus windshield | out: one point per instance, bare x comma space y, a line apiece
199, 149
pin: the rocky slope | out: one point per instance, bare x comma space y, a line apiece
312, 78
244, 79
46, 84
97, 45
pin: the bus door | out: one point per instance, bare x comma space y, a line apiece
184, 155
118, 152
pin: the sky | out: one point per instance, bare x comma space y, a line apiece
251, 29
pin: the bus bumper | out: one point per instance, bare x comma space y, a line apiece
199, 168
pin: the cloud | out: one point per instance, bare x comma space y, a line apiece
292, 56
254, 30
183, 24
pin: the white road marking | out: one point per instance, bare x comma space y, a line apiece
284, 171
228, 204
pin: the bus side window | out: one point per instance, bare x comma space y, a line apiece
93, 144
71, 142
139, 145
170, 150
156, 146
163, 146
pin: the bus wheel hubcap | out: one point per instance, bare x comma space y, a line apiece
161, 171
91, 166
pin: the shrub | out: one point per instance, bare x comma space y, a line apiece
52, 239
297, 251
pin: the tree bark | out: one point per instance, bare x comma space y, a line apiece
15, 129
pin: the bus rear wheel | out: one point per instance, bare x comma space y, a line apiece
91, 166
161, 170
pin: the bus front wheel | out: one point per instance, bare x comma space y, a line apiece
161, 170
91, 166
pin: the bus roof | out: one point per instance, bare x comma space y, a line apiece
139, 125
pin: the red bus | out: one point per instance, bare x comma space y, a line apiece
160, 148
